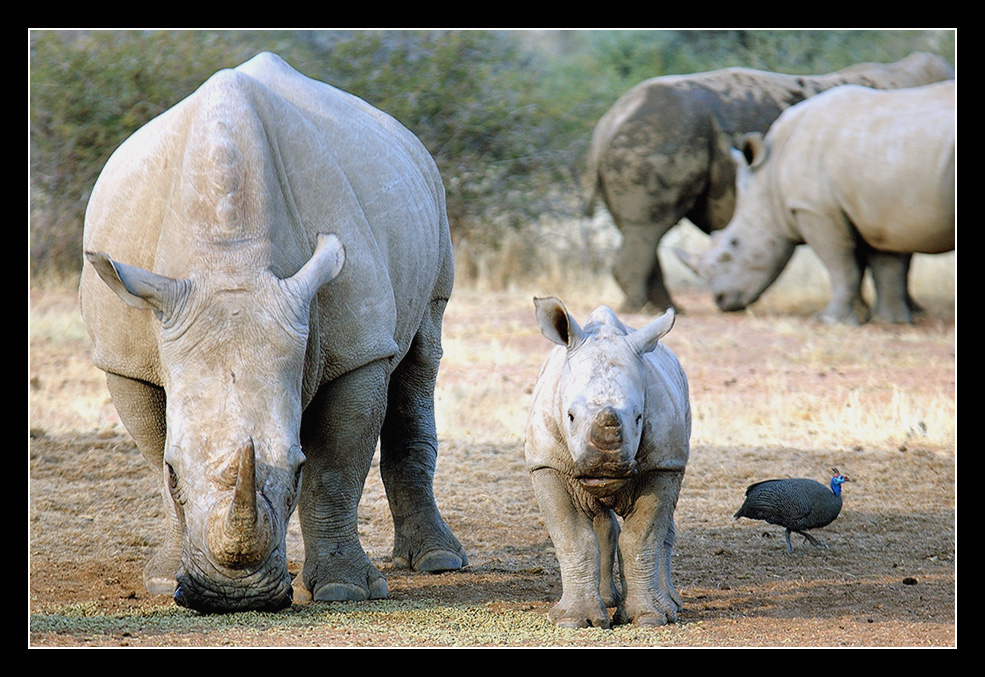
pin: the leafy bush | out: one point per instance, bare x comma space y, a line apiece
506, 114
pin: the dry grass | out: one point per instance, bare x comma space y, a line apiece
772, 393
495, 353
500, 345
66, 392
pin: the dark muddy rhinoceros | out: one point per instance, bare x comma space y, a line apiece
267, 265
865, 178
661, 153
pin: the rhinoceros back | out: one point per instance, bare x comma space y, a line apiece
320, 160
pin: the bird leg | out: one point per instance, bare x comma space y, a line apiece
807, 539
813, 541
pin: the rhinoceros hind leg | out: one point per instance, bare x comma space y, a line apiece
408, 456
890, 274
637, 268
606, 528
141, 407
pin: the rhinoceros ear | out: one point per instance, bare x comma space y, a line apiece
324, 265
137, 287
555, 322
646, 338
753, 149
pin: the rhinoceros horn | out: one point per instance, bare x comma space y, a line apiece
689, 260
606, 432
242, 536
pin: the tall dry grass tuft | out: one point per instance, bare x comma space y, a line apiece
798, 383
771, 356
66, 393
577, 255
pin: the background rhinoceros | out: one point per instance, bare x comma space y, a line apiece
864, 177
237, 359
609, 433
661, 153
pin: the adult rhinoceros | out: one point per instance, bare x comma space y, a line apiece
862, 177
661, 153
234, 358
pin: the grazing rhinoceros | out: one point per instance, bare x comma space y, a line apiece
661, 153
609, 433
862, 177
242, 341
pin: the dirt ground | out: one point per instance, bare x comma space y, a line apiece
887, 579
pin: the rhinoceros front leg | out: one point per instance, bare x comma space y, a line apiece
408, 456
645, 545
836, 245
339, 430
572, 531
890, 273
141, 407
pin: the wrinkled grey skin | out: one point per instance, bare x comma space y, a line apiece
863, 177
609, 434
267, 264
661, 153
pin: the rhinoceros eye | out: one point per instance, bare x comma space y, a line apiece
295, 489
173, 485
297, 476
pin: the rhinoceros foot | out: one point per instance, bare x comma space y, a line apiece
839, 316
648, 615
159, 574
160, 585
339, 592
336, 580
583, 614
347, 592
654, 620
424, 543
433, 562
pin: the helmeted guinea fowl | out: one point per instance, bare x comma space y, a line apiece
796, 504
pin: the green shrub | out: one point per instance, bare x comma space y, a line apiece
506, 114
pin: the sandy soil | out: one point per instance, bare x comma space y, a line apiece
887, 579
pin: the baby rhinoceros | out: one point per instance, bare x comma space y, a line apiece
609, 434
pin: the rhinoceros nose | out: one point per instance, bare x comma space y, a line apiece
606, 432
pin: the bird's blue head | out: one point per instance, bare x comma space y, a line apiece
837, 481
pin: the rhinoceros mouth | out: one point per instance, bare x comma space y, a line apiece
730, 303
192, 594
203, 587
221, 605
603, 486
